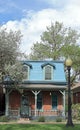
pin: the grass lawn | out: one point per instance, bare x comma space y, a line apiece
38, 127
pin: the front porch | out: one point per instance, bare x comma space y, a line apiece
28, 103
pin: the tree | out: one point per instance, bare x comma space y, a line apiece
15, 71
58, 42
9, 50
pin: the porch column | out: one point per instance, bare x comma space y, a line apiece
64, 103
6, 103
35, 93
63, 93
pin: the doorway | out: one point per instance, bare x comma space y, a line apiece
24, 106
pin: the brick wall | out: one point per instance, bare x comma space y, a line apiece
76, 97
14, 99
47, 101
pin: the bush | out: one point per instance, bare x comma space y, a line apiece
59, 119
41, 119
76, 111
4, 119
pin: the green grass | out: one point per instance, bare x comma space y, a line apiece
38, 127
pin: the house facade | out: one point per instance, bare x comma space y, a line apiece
42, 92
76, 93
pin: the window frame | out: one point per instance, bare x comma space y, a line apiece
28, 68
54, 101
51, 72
38, 101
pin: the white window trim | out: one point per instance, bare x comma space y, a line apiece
51, 73
28, 73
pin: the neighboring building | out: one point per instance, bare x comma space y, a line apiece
42, 93
76, 93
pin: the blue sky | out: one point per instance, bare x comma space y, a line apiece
16, 9
32, 16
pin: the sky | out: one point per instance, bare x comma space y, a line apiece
32, 17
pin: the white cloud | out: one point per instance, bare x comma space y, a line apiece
35, 23
56, 3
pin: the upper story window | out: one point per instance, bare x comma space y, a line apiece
26, 71
48, 69
48, 72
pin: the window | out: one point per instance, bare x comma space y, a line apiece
26, 71
48, 72
39, 101
54, 101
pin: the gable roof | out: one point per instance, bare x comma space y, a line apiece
45, 64
28, 64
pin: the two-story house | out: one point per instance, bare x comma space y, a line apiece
42, 92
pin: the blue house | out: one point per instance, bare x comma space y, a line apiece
42, 92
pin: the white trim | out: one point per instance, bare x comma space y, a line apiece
63, 93
51, 73
28, 73
35, 93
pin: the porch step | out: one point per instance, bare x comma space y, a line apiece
24, 120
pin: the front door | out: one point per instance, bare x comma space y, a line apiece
24, 106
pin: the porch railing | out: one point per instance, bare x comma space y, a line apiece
46, 113
16, 112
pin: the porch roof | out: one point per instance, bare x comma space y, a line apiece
45, 82
39, 85
42, 86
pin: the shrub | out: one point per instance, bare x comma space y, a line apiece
41, 119
59, 119
4, 119
76, 111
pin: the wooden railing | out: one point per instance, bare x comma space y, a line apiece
46, 113
16, 112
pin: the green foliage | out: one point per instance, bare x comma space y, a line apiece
9, 46
10, 53
41, 119
58, 42
4, 119
58, 119
15, 71
76, 111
